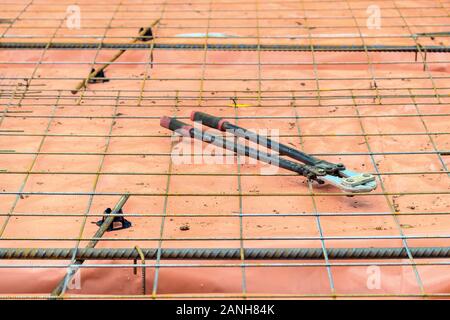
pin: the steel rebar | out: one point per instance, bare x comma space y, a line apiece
92, 243
95, 73
222, 47
222, 253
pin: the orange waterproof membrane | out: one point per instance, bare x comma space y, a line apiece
365, 83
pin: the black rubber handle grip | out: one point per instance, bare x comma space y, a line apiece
175, 125
208, 120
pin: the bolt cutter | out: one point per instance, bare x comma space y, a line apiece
308, 166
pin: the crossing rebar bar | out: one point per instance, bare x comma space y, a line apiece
101, 230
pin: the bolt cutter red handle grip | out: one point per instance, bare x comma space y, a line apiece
209, 120
176, 125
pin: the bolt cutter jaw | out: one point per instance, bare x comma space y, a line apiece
350, 181
328, 167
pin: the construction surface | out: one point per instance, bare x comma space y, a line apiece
374, 99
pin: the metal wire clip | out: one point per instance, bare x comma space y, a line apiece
123, 223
